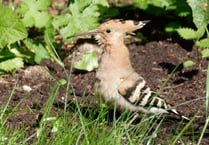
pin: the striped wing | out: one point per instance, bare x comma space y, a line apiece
140, 94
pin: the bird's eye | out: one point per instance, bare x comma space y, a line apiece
108, 30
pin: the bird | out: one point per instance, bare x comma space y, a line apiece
119, 83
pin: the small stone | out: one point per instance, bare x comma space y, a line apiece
27, 88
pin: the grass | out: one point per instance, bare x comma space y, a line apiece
77, 128
206, 107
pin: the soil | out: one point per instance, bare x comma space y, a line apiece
159, 61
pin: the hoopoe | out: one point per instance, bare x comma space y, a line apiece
118, 82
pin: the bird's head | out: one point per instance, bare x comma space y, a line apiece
114, 30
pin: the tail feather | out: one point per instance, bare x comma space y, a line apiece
180, 115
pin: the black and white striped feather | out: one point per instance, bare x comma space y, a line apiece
141, 95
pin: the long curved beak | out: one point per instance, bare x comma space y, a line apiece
145, 21
91, 32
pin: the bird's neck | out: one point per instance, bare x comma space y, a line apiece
116, 55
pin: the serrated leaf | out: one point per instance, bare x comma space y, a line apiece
11, 65
203, 43
189, 63
84, 16
33, 15
88, 62
200, 12
187, 33
190, 34
33, 5
11, 28
204, 53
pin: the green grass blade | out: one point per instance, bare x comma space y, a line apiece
10, 97
41, 132
203, 130
182, 131
206, 108
207, 93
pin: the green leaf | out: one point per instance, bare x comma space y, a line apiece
143, 4
11, 28
203, 43
205, 53
11, 65
6, 54
88, 62
33, 14
172, 27
200, 12
182, 8
161, 3
189, 63
39, 50
62, 82
42, 19
84, 16
189, 33
200, 32
61, 21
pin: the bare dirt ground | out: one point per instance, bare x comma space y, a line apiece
155, 61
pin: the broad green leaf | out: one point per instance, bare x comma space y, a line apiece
161, 3
39, 50
200, 32
88, 62
83, 16
188, 33
33, 5
11, 65
33, 14
11, 28
40, 53
203, 43
42, 19
189, 63
200, 12
61, 21
205, 53
143, 4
